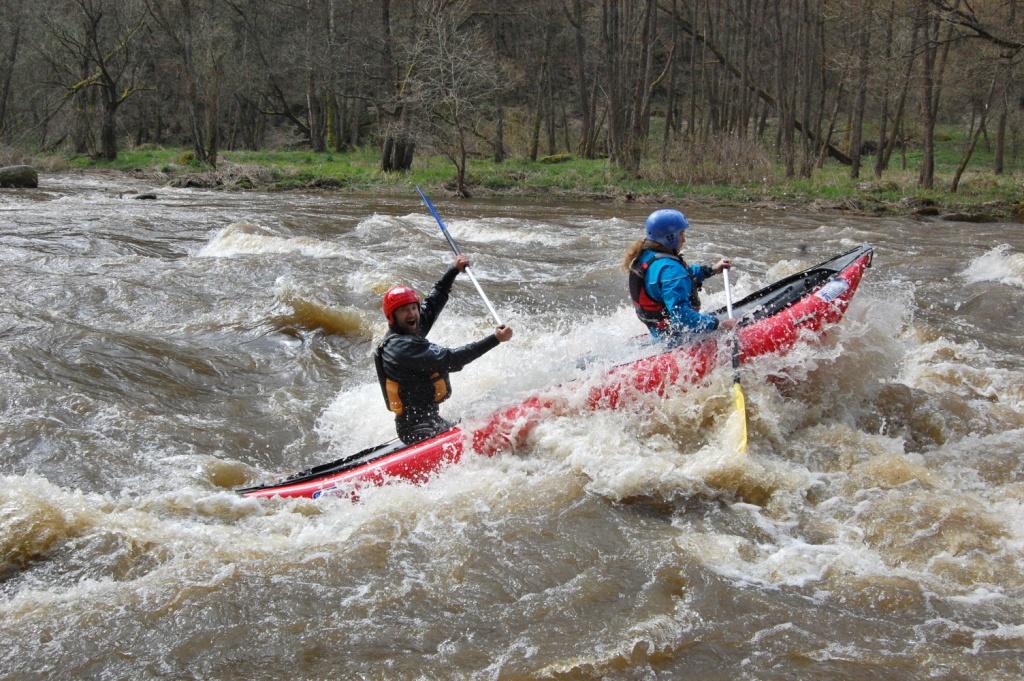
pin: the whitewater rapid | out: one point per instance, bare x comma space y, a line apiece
157, 354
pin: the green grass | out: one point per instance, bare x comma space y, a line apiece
360, 170
141, 158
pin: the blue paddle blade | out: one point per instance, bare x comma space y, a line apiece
440, 223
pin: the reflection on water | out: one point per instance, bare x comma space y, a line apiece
156, 354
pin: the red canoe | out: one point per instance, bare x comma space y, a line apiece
773, 320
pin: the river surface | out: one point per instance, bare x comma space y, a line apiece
154, 355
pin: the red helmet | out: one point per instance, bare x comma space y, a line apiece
396, 297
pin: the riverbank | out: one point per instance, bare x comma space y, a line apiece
982, 196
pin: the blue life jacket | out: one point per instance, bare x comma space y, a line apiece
665, 292
650, 311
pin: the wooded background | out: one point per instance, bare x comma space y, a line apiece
656, 86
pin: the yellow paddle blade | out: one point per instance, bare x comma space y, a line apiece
741, 411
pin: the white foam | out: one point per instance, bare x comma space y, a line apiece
246, 238
1000, 264
966, 369
475, 234
356, 419
501, 377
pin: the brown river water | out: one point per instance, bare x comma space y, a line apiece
156, 354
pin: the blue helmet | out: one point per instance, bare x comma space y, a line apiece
664, 226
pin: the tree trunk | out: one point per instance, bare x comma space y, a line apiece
549, 111
461, 189
931, 91
212, 122
998, 162
537, 117
499, 135
641, 106
691, 89
897, 121
10, 59
955, 184
587, 136
565, 127
595, 131
331, 121
108, 129
397, 153
827, 139
355, 120
926, 176
749, 115
883, 118
670, 97
498, 144
314, 103
613, 58
863, 62
783, 86
807, 70
81, 128
399, 147
158, 126
197, 117
315, 116
821, 74
762, 120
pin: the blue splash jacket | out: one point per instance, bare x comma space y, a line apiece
669, 282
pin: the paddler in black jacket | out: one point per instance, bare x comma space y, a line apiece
413, 372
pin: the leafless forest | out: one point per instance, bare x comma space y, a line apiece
640, 82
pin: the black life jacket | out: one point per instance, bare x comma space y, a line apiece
413, 392
651, 312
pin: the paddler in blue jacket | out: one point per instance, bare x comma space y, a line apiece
413, 372
663, 287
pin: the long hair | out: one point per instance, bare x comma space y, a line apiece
638, 247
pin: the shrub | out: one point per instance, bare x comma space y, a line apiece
718, 160
555, 158
10, 156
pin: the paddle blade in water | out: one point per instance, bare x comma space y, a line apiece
740, 417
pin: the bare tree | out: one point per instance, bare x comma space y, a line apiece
887, 146
976, 132
864, 29
578, 75
13, 25
193, 32
586, 83
885, 88
315, 114
96, 39
1004, 113
749, 81
452, 85
629, 35
399, 144
996, 28
936, 52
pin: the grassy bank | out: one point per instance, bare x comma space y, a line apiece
982, 194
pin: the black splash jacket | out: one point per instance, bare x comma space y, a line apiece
413, 372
